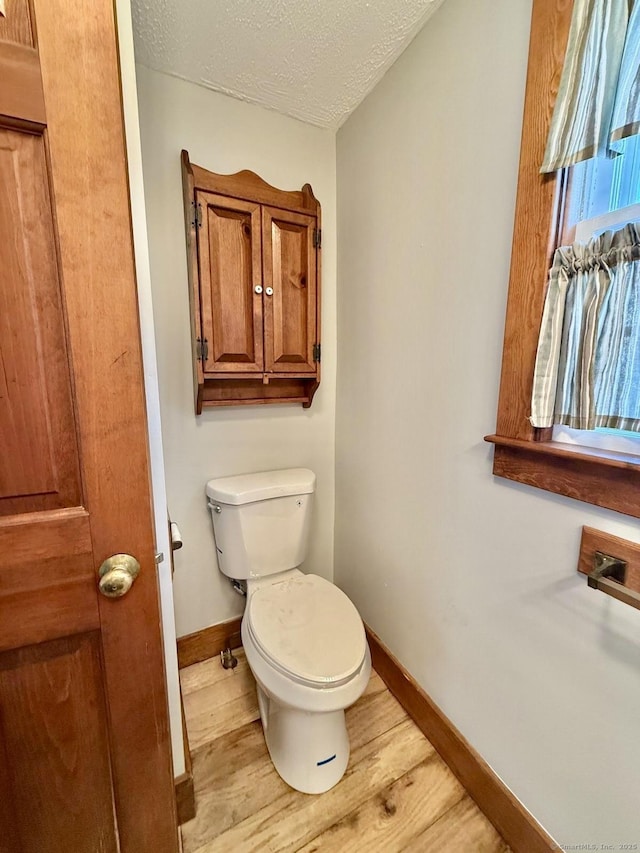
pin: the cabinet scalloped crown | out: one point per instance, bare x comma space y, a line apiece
254, 287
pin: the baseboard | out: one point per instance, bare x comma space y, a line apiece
185, 798
514, 823
184, 787
208, 642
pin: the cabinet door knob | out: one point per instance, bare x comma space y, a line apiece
268, 291
258, 288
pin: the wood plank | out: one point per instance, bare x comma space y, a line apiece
599, 479
209, 642
597, 540
212, 713
222, 768
21, 93
206, 673
295, 818
209, 672
461, 828
247, 392
234, 778
561, 450
208, 699
516, 825
372, 716
397, 814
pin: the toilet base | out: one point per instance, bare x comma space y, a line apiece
309, 750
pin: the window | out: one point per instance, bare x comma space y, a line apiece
602, 194
522, 453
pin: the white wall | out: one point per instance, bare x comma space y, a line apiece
469, 579
225, 135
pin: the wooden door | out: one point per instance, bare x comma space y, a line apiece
229, 257
85, 762
290, 286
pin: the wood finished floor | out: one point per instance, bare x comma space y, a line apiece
397, 794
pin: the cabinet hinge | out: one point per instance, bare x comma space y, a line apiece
317, 238
202, 349
196, 210
317, 352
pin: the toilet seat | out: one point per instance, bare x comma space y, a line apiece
307, 629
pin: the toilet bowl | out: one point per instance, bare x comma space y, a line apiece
303, 638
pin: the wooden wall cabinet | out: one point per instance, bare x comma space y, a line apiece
254, 283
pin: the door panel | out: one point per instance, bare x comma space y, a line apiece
55, 732
47, 579
15, 26
230, 271
85, 761
290, 270
39, 462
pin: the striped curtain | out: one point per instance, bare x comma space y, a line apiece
587, 372
626, 109
581, 123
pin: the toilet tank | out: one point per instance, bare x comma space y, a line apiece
261, 521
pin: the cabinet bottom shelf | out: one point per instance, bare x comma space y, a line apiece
253, 392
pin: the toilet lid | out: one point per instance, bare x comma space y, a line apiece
308, 628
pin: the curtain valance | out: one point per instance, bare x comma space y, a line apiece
598, 101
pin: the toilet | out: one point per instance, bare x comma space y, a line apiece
303, 638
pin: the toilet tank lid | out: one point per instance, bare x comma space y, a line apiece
247, 488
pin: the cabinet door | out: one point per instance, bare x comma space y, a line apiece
290, 311
229, 257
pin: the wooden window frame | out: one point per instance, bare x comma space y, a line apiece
523, 453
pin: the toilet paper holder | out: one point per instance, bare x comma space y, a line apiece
176, 536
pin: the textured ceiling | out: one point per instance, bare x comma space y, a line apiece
314, 60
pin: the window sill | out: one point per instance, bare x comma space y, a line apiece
600, 477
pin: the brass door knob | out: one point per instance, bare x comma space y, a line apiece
117, 575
